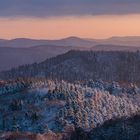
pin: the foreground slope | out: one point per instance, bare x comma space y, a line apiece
44, 106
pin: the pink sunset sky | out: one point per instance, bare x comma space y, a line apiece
52, 19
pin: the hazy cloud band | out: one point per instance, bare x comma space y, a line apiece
48, 8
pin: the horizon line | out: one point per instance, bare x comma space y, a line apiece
66, 37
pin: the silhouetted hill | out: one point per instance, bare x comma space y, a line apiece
119, 129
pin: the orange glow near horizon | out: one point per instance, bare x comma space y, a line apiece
60, 27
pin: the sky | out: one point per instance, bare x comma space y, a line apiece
53, 19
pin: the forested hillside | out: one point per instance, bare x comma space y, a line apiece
81, 65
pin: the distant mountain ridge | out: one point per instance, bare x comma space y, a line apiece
27, 43
70, 41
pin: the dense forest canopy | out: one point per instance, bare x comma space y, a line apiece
82, 65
